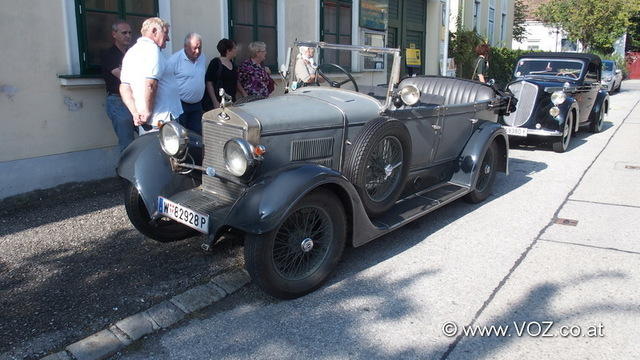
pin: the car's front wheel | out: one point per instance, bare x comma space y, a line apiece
562, 144
163, 229
300, 254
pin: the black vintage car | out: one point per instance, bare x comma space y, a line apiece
301, 175
558, 93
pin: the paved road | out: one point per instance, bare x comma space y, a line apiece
503, 262
72, 267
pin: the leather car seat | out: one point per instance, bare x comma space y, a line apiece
453, 91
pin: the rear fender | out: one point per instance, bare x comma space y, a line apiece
473, 153
147, 167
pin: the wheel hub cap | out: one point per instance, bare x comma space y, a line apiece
487, 169
306, 245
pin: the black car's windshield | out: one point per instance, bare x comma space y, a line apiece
607, 66
549, 67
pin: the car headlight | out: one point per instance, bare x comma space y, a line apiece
174, 139
554, 111
558, 97
409, 94
608, 78
238, 157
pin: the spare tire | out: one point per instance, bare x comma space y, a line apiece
377, 163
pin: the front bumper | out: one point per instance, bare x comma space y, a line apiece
535, 132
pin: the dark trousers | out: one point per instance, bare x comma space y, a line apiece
191, 117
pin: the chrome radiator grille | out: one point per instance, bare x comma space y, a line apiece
526, 93
215, 136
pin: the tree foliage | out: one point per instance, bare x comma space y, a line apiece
595, 23
520, 10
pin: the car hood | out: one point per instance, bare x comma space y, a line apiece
309, 108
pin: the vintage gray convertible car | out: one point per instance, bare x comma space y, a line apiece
301, 175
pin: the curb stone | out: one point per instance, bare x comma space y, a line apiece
161, 316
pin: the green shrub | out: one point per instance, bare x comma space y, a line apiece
502, 62
462, 46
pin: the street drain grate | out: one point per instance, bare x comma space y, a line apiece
568, 222
632, 167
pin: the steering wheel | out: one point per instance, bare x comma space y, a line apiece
324, 68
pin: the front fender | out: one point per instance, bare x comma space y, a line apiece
147, 167
473, 153
264, 205
602, 101
566, 108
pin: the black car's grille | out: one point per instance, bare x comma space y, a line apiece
215, 136
526, 93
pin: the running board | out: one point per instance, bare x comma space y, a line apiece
419, 205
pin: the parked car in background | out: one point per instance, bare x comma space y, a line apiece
301, 175
558, 93
611, 76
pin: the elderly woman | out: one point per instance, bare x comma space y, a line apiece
305, 69
255, 78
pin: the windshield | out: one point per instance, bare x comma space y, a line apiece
365, 69
607, 66
549, 67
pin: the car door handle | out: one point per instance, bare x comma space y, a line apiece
436, 127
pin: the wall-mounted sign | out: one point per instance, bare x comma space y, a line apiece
374, 14
413, 57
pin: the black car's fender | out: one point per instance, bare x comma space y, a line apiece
471, 157
148, 168
264, 205
571, 104
602, 103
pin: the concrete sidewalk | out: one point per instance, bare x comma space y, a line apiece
581, 277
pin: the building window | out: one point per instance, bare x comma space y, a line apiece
336, 29
254, 20
476, 14
491, 21
94, 19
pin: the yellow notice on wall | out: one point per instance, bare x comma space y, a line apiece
413, 57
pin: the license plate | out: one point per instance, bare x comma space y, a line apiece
183, 215
516, 131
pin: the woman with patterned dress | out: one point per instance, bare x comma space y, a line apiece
255, 78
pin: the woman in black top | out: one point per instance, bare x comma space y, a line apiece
222, 73
481, 65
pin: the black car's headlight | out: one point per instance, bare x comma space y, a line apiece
174, 139
558, 97
239, 157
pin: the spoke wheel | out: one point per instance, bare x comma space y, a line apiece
300, 254
163, 229
383, 168
377, 163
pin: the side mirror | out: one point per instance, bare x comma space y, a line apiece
618, 71
283, 69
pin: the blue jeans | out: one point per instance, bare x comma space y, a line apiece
121, 120
191, 117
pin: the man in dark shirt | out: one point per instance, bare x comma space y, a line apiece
117, 111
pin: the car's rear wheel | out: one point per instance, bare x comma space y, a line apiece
300, 254
377, 163
486, 176
596, 125
562, 144
163, 229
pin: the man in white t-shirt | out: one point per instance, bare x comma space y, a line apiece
189, 68
148, 87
